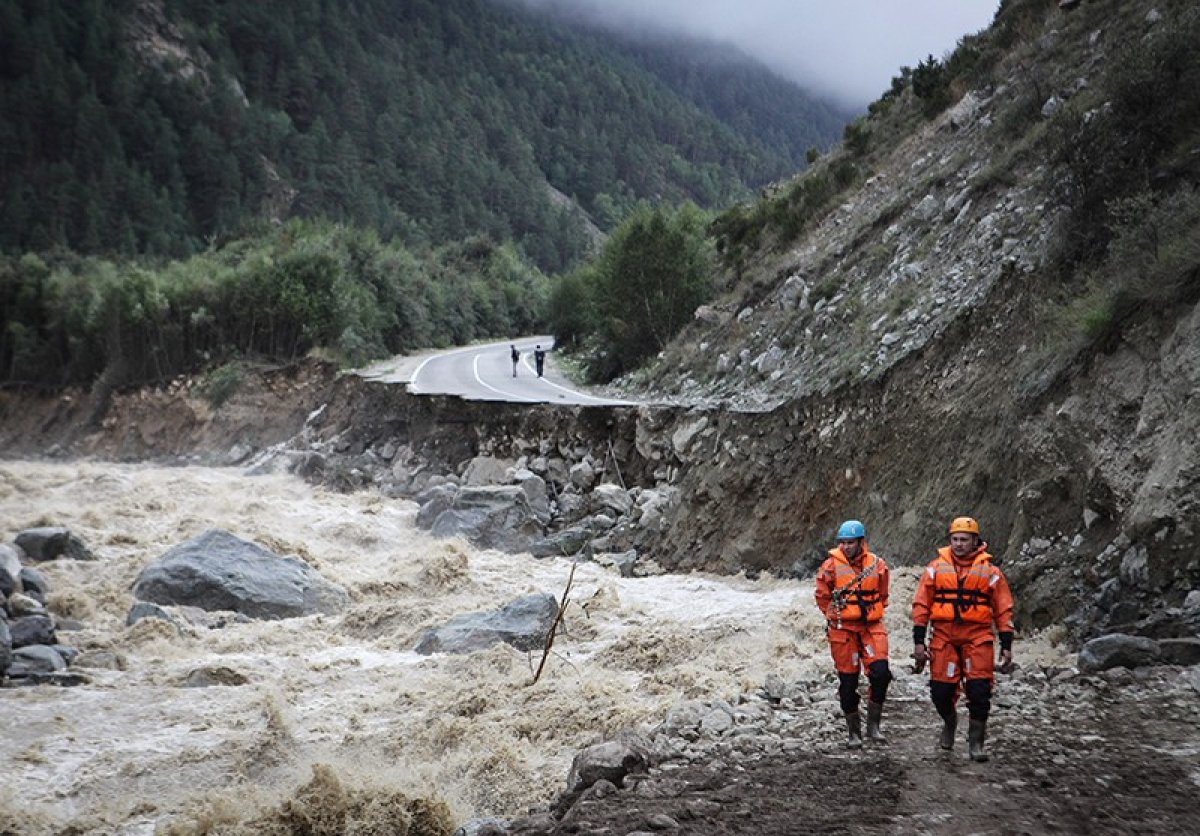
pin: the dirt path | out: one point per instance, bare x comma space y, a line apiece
1073, 756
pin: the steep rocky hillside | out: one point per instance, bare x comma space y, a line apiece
969, 329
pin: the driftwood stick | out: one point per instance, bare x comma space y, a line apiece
612, 454
562, 608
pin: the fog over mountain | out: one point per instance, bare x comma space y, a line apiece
846, 51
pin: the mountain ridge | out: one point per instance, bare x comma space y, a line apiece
427, 121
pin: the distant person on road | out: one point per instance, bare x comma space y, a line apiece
852, 593
963, 595
516, 356
539, 359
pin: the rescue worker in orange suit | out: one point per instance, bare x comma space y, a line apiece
852, 592
963, 596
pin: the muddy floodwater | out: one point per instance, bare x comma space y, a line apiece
135, 751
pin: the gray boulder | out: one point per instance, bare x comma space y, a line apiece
583, 476
6, 651
522, 623
214, 675
20, 604
1185, 651
490, 518
218, 571
536, 492
51, 543
36, 658
68, 653
433, 502
31, 629
486, 470
610, 499
563, 543
622, 562
34, 583
1118, 650
572, 507
611, 761
144, 609
10, 570
557, 471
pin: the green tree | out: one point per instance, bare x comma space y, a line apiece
653, 273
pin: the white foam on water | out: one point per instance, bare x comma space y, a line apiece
136, 746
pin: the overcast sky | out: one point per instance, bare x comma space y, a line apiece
846, 49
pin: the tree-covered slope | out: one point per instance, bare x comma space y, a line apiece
724, 82
155, 126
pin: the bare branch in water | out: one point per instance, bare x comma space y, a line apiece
562, 608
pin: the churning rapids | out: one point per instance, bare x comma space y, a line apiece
134, 752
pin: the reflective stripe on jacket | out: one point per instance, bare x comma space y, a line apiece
964, 598
972, 591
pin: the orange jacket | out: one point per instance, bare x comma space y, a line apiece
969, 591
866, 600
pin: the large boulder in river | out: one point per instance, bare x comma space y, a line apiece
433, 502
523, 624
31, 629
52, 542
490, 517
218, 571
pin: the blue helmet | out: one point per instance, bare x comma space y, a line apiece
851, 530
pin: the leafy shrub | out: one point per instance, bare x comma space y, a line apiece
857, 137
569, 311
652, 274
930, 84
222, 383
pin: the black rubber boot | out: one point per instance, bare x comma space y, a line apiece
854, 729
949, 727
874, 715
976, 735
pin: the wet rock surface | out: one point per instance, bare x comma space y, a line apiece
522, 623
220, 571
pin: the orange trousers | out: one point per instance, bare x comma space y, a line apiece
961, 651
855, 646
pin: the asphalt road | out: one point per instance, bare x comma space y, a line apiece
485, 373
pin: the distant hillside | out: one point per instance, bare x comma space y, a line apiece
155, 126
720, 80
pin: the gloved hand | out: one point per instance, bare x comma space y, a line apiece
1006, 662
920, 657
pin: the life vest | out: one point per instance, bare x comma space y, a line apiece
962, 600
863, 602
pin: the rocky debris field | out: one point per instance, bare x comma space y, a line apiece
30, 650
1113, 753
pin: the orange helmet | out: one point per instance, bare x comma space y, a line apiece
965, 525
